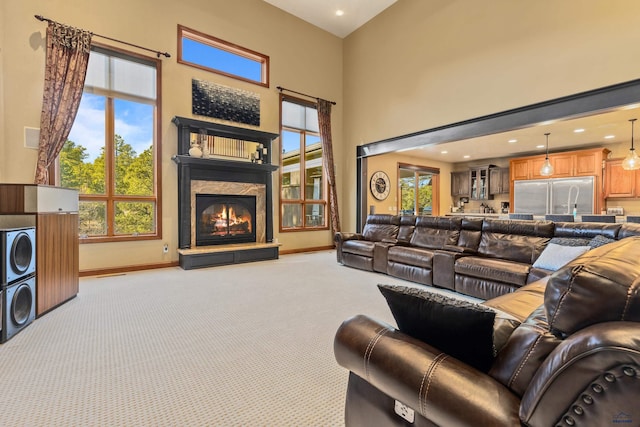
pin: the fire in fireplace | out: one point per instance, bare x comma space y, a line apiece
223, 219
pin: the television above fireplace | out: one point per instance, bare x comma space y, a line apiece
223, 219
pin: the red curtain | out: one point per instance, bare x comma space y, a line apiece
67, 58
324, 120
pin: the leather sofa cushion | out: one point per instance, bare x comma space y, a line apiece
521, 228
436, 232
513, 247
586, 230
379, 227
629, 229
431, 238
359, 247
407, 224
493, 269
601, 285
526, 349
522, 303
411, 256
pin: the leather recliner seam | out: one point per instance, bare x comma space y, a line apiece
369, 350
524, 361
429, 374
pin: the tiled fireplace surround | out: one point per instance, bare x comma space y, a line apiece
231, 188
219, 177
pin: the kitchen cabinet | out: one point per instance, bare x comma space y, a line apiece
479, 182
569, 164
460, 184
620, 183
499, 181
519, 169
54, 213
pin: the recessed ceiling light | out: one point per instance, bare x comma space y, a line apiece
539, 146
466, 156
512, 141
339, 12
579, 130
609, 137
444, 152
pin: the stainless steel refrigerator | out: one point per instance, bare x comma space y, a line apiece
554, 196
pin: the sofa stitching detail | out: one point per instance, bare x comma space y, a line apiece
524, 361
369, 350
630, 293
564, 295
429, 374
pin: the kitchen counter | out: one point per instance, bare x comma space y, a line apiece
478, 215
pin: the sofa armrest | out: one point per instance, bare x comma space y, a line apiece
593, 377
444, 262
536, 274
340, 237
441, 388
343, 237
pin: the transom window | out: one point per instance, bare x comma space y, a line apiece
111, 155
218, 56
303, 188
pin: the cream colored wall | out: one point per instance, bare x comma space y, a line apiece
302, 58
424, 64
2, 126
389, 164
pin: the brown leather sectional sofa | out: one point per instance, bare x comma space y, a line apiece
484, 258
569, 351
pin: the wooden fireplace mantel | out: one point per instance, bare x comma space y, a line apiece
221, 170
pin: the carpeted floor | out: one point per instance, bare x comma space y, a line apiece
240, 345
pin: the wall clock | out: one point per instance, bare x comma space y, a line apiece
380, 185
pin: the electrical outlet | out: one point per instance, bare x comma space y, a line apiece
165, 248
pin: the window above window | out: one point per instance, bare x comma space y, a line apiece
218, 56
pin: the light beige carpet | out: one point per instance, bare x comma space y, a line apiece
240, 345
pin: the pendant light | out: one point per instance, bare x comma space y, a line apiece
547, 167
632, 161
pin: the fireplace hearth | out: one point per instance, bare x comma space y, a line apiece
225, 219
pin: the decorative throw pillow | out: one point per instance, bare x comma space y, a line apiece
459, 328
570, 241
600, 240
556, 256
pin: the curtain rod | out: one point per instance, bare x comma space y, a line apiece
158, 53
280, 88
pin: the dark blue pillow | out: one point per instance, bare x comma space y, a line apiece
458, 328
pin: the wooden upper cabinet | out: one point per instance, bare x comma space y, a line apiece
563, 165
589, 163
572, 163
460, 184
519, 169
535, 164
619, 182
498, 181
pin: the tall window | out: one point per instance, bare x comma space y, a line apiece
418, 190
111, 155
303, 189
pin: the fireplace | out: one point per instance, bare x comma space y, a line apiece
222, 219
213, 189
